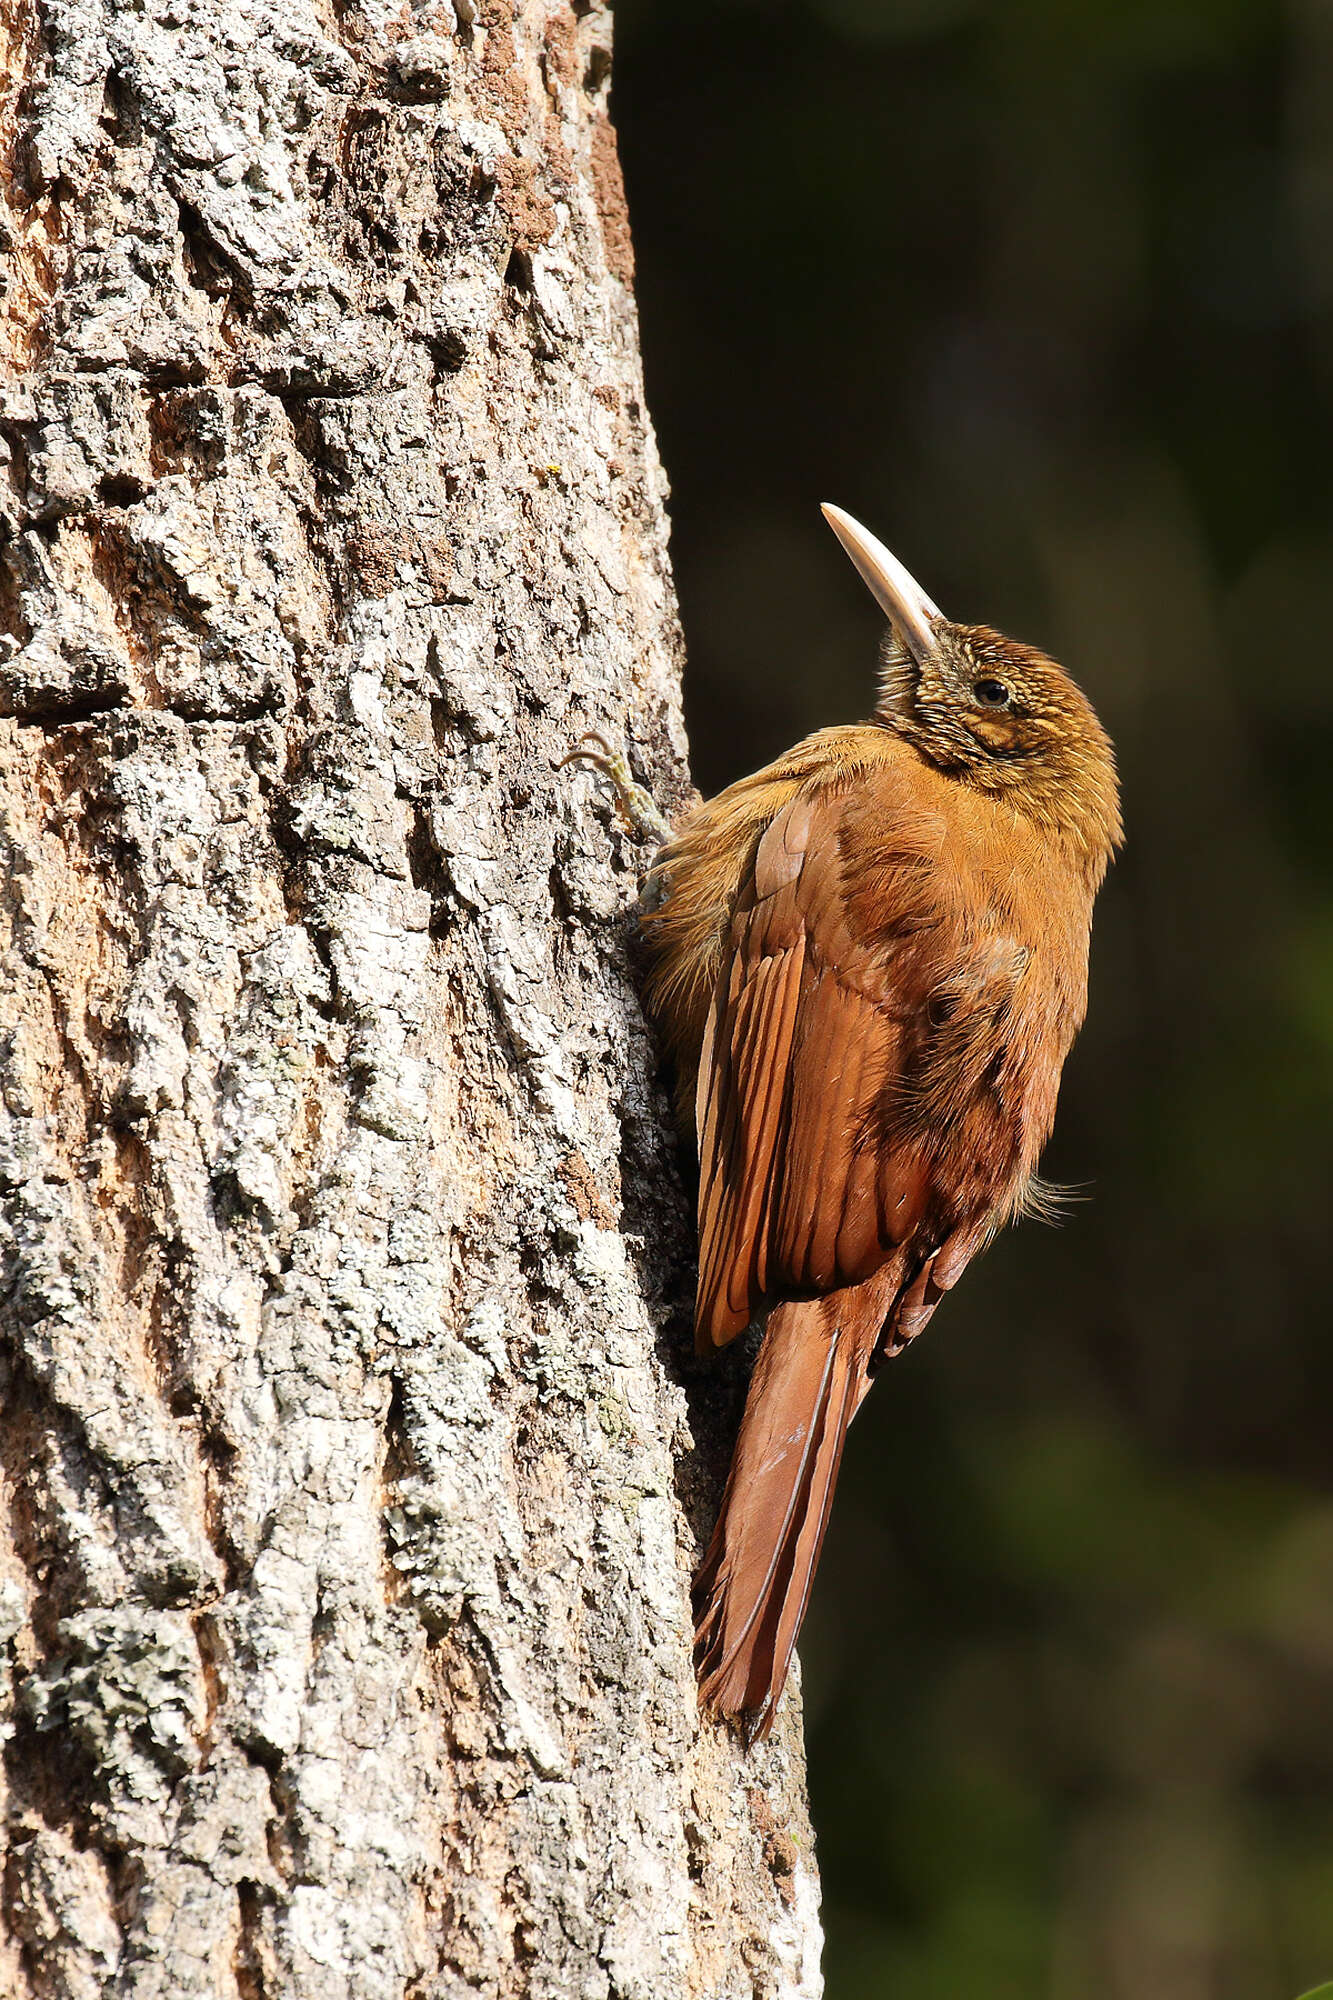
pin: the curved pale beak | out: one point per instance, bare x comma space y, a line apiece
898, 595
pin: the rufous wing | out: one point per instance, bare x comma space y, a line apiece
802, 1190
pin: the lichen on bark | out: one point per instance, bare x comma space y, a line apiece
354, 1464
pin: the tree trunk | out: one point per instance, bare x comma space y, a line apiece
355, 1465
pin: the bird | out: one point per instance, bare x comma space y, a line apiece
867, 962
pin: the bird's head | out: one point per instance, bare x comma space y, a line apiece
993, 713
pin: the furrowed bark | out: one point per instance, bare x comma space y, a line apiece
353, 1486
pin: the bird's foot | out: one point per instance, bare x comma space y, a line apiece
636, 805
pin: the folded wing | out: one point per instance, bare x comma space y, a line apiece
803, 1187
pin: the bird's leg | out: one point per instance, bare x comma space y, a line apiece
637, 808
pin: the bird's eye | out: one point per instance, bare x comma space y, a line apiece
991, 694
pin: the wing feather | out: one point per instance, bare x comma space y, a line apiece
761, 1086
843, 1117
817, 1134
742, 1118
796, 1063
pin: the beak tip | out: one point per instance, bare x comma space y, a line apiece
898, 594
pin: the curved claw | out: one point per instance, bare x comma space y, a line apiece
636, 805
578, 755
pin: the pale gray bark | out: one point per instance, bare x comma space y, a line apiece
353, 1486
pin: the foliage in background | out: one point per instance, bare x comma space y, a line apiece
1043, 292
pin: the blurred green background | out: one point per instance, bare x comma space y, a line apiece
1042, 292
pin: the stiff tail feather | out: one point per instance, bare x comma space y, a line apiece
754, 1583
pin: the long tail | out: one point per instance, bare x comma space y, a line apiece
752, 1589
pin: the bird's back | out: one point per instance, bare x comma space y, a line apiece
963, 925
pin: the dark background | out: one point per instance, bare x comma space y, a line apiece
1042, 292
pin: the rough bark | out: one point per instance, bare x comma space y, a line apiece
355, 1469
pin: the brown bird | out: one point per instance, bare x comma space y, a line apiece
868, 961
